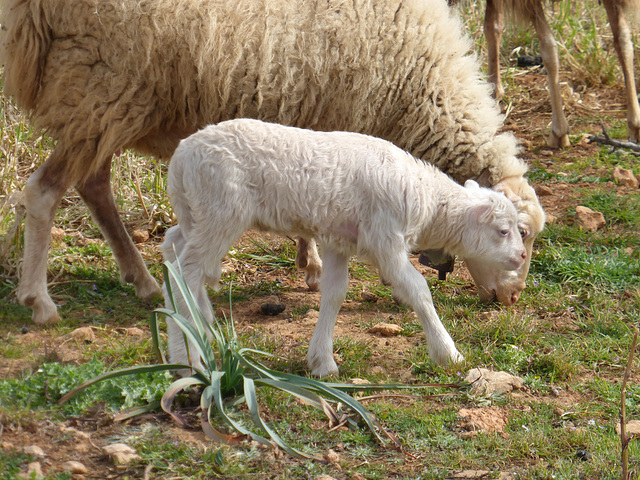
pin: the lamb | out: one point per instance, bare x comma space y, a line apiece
372, 199
533, 11
104, 75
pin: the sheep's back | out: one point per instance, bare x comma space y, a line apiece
146, 73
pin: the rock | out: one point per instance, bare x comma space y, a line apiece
590, 220
120, 453
359, 381
583, 455
632, 429
140, 235
272, 309
324, 477
357, 476
485, 382
543, 190
84, 334
368, 297
33, 450
74, 467
34, 471
332, 457
135, 332
624, 177
550, 219
385, 329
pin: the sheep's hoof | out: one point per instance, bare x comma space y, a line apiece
559, 141
44, 310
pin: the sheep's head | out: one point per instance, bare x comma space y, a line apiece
500, 284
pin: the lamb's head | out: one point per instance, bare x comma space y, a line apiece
501, 284
491, 230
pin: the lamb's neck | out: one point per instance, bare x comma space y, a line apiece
448, 220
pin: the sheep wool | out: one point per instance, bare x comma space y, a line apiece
101, 75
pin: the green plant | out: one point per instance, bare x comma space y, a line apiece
231, 377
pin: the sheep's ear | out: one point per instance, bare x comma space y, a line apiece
481, 213
471, 184
503, 187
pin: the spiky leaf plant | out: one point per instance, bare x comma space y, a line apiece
232, 376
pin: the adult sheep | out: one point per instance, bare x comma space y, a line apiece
532, 11
104, 75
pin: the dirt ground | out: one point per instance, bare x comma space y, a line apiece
528, 118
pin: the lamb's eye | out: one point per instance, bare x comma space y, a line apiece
523, 232
504, 233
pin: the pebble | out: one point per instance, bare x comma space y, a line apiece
74, 467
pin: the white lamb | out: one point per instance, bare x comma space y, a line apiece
372, 199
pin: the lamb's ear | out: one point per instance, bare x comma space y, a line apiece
471, 184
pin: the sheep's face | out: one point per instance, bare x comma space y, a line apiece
505, 285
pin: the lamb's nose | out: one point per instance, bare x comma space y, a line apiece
524, 254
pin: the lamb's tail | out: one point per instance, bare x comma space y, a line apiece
25, 38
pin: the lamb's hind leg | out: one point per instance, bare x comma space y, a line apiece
97, 194
624, 48
333, 285
43, 193
307, 259
412, 289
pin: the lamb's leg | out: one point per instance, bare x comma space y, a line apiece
333, 285
624, 49
493, 25
307, 259
97, 194
549, 52
43, 193
412, 289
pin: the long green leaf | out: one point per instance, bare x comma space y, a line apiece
176, 387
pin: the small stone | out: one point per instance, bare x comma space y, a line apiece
120, 453
25, 330
34, 471
485, 381
624, 177
368, 297
272, 309
359, 381
357, 476
632, 428
33, 450
74, 467
84, 334
546, 153
543, 190
332, 457
385, 329
590, 220
139, 235
134, 332
550, 219
324, 477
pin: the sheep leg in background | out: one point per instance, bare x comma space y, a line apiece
493, 25
307, 259
97, 195
549, 52
412, 289
438, 260
624, 49
43, 193
333, 285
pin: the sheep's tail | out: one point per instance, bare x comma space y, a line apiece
25, 38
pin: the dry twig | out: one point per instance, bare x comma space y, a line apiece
605, 139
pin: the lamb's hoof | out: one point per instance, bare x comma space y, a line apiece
313, 281
323, 369
445, 359
559, 141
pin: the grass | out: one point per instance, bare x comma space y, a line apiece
567, 337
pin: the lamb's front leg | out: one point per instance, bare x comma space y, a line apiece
333, 286
412, 289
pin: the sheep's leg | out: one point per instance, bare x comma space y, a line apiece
308, 260
97, 194
412, 289
624, 49
549, 52
333, 285
43, 193
493, 25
